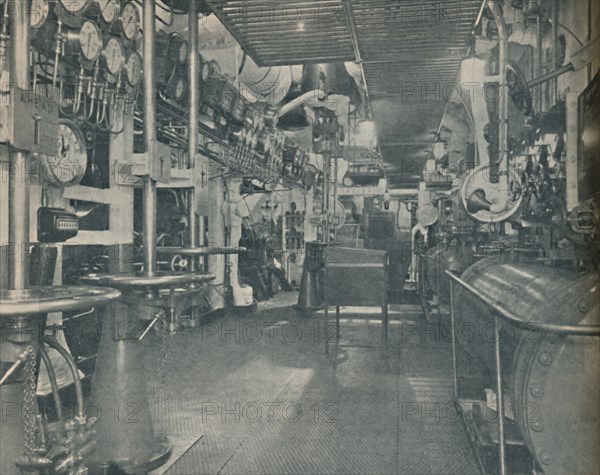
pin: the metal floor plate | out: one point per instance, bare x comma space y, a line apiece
268, 399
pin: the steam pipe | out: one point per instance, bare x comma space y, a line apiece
18, 185
194, 84
149, 223
194, 90
74, 372
53, 382
502, 161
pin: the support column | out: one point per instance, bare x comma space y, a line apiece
149, 223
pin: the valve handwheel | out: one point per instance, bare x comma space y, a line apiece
518, 89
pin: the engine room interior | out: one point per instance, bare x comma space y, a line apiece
312, 237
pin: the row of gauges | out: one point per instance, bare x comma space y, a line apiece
85, 29
109, 15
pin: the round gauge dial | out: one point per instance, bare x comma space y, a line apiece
130, 16
178, 47
183, 51
39, 13
74, 6
179, 89
204, 70
68, 166
109, 9
90, 40
133, 69
114, 56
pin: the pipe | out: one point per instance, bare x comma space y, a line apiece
74, 372
502, 161
18, 185
192, 225
149, 223
194, 94
317, 94
53, 382
551, 75
193, 82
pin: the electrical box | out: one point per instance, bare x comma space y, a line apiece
34, 119
56, 225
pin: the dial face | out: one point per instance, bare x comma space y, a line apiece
131, 21
90, 40
39, 13
179, 89
114, 56
68, 167
133, 69
74, 6
183, 51
204, 70
110, 10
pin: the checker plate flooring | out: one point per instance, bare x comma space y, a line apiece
269, 395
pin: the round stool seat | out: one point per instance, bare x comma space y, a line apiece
42, 300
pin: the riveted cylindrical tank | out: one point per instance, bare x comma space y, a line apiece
552, 380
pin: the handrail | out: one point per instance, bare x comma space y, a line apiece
581, 330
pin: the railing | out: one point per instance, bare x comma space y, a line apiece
500, 312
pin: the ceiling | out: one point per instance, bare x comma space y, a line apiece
410, 51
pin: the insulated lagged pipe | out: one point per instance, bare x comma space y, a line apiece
149, 222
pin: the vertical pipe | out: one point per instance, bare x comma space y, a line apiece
540, 62
149, 223
194, 86
193, 81
18, 186
499, 397
453, 329
555, 58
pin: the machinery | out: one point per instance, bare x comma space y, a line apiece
156, 174
508, 236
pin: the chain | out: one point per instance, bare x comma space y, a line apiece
30, 402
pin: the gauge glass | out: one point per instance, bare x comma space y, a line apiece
71, 160
131, 21
39, 13
74, 6
110, 10
114, 56
90, 40
133, 69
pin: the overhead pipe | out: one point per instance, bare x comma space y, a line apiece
149, 222
18, 184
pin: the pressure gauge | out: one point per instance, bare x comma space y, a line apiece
178, 48
179, 89
204, 70
130, 16
110, 10
133, 69
113, 55
74, 6
90, 40
68, 166
39, 13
